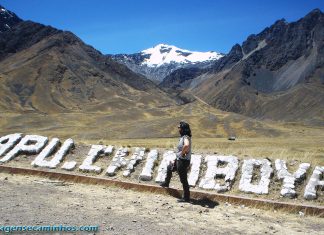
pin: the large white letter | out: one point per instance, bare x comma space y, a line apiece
208, 182
137, 156
247, 172
94, 152
288, 178
314, 182
117, 161
146, 174
195, 162
8, 141
46, 152
168, 156
31, 144
69, 166
58, 157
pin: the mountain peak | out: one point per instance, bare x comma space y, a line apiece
5, 13
163, 45
162, 54
7, 19
314, 15
159, 61
315, 11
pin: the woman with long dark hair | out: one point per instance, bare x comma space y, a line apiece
182, 161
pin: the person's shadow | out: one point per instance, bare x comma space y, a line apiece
204, 202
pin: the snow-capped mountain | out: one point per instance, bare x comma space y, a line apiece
165, 54
158, 62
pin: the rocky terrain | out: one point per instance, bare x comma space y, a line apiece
276, 74
7, 19
47, 70
29, 200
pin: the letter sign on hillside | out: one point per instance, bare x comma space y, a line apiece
213, 171
219, 175
29, 144
288, 187
314, 183
58, 157
262, 187
8, 141
93, 154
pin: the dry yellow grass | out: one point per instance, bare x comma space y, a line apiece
154, 127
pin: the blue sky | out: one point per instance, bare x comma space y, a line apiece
129, 26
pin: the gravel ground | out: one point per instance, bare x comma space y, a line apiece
31, 200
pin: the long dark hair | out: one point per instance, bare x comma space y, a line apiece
184, 129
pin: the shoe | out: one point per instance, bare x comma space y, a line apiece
164, 185
183, 200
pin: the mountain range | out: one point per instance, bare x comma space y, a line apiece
159, 61
275, 74
49, 70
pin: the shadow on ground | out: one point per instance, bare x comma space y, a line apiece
204, 202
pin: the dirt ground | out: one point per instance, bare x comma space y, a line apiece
31, 200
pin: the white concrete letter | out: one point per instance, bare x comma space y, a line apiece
118, 161
31, 144
208, 182
137, 156
194, 170
147, 171
58, 157
247, 172
93, 154
8, 141
168, 157
314, 182
46, 152
288, 178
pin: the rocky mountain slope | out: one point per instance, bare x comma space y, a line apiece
276, 74
7, 19
158, 62
49, 70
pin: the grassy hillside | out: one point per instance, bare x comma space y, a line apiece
156, 127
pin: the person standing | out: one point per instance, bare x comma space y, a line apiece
182, 161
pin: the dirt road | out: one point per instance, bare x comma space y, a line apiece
29, 200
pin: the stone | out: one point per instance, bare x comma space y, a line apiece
195, 163
93, 154
167, 159
69, 166
137, 156
46, 152
313, 183
147, 171
262, 187
118, 161
30, 144
7, 142
288, 178
58, 157
228, 172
